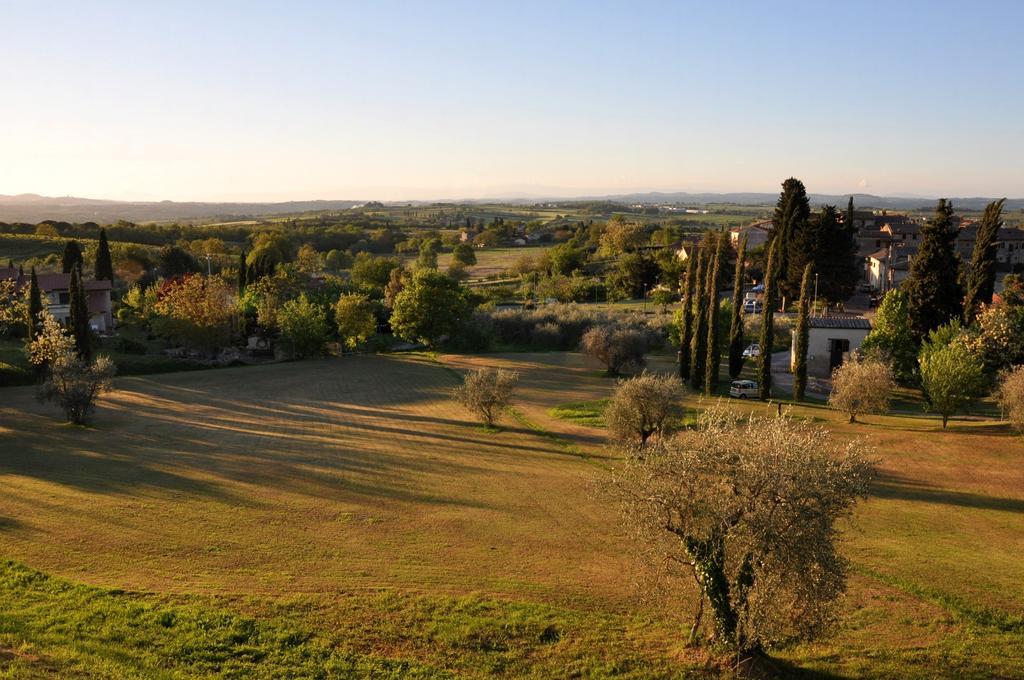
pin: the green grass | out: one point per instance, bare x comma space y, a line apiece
590, 413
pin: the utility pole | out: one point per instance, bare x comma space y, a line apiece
814, 305
208, 265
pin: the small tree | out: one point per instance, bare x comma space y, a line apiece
78, 319
860, 387
303, 327
356, 320
104, 269
800, 338
487, 392
50, 343
616, 348
767, 339
72, 257
645, 405
891, 339
74, 383
430, 307
749, 510
951, 374
13, 306
736, 327
1011, 397
464, 254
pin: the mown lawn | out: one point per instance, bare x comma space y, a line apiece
344, 514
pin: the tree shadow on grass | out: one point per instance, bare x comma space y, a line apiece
894, 487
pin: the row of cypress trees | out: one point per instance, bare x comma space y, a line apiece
73, 258
699, 347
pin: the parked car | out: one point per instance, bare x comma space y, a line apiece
741, 389
865, 287
752, 307
752, 352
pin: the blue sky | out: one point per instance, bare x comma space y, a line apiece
391, 100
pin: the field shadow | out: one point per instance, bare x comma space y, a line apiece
894, 487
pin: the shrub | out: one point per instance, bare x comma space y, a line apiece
303, 327
1011, 397
616, 348
196, 311
486, 392
861, 387
75, 383
642, 406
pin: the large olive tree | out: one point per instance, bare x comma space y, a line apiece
749, 508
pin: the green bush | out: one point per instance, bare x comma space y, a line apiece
11, 375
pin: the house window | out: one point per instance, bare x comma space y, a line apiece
63, 298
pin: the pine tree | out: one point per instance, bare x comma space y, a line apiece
800, 338
839, 269
714, 350
981, 277
104, 269
686, 318
933, 287
243, 270
698, 349
792, 212
72, 257
766, 343
79, 317
35, 307
736, 329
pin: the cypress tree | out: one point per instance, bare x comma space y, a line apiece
800, 337
698, 350
933, 287
736, 329
766, 342
72, 256
792, 213
35, 307
839, 269
104, 270
79, 317
981, 277
243, 270
686, 318
714, 353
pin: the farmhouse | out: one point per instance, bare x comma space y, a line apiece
757, 234
57, 297
830, 340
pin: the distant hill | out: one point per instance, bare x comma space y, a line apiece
34, 208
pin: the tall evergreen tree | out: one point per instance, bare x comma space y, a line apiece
698, 346
848, 218
714, 353
686, 318
35, 307
767, 338
79, 317
800, 336
838, 266
72, 256
736, 328
104, 269
933, 286
792, 212
243, 270
981, 277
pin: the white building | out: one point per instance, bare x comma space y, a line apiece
830, 340
757, 234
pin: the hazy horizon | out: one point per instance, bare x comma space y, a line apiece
316, 100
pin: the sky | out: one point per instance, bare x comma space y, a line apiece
269, 101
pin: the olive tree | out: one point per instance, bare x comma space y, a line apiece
951, 374
615, 347
486, 392
645, 405
1011, 397
74, 383
860, 387
748, 509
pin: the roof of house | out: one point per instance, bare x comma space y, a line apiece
48, 282
764, 225
847, 322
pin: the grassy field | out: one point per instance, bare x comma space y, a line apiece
345, 515
494, 261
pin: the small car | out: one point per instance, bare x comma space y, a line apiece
752, 352
741, 389
752, 307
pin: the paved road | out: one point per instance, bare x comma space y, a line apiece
817, 388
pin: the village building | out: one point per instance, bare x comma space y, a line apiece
757, 234
830, 342
57, 297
